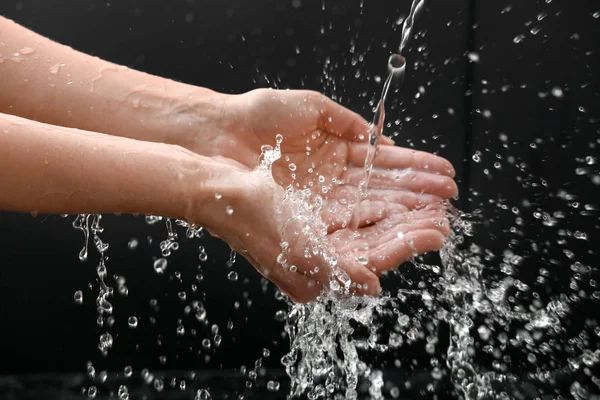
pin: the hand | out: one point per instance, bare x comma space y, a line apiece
283, 236
323, 150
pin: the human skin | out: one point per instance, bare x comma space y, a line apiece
145, 144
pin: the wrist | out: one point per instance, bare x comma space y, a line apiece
198, 119
211, 189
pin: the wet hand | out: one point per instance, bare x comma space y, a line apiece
323, 151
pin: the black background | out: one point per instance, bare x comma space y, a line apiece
465, 60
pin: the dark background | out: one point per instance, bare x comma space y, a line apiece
481, 94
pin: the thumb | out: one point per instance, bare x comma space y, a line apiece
342, 122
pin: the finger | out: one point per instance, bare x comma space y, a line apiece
348, 194
389, 228
388, 141
379, 240
371, 238
298, 287
415, 181
304, 290
408, 199
342, 122
402, 158
364, 282
401, 249
367, 212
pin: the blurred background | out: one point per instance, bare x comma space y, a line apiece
508, 91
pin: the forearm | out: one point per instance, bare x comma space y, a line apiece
48, 82
50, 169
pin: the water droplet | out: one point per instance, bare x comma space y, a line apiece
229, 210
202, 255
396, 63
160, 265
123, 393
201, 314
473, 57
106, 342
54, 69
78, 297
519, 38
132, 244
202, 394
128, 371
281, 315
132, 322
232, 276
557, 92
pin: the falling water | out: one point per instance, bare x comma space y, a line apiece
396, 72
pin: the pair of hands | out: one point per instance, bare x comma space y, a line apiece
323, 151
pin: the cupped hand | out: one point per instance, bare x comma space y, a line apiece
283, 235
322, 152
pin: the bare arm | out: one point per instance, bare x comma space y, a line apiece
51, 169
52, 83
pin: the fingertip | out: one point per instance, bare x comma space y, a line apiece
342, 122
370, 285
448, 167
374, 289
426, 240
387, 141
452, 190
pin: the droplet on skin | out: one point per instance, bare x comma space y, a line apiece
229, 210
54, 69
27, 50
